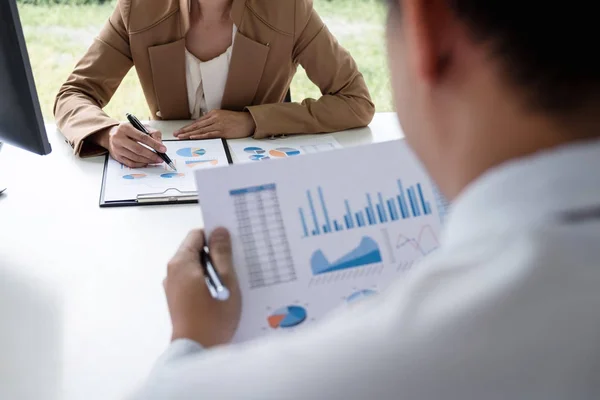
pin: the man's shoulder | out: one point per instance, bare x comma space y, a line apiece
529, 251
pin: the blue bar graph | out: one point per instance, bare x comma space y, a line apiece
414, 196
416, 201
304, 226
413, 203
360, 220
314, 214
402, 201
410, 202
391, 208
327, 223
371, 211
382, 206
401, 206
349, 215
338, 227
426, 205
370, 217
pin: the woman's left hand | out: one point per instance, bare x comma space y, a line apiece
219, 124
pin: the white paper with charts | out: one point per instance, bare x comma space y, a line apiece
321, 231
250, 150
122, 183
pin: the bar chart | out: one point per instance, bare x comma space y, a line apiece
408, 202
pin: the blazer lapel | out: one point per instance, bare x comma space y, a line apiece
184, 15
245, 71
168, 74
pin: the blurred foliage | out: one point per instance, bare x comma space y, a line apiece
63, 2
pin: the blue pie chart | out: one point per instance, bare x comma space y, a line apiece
287, 317
171, 175
258, 157
284, 152
191, 152
361, 294
254, 150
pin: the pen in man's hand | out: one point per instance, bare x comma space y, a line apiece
215, 286
140, 127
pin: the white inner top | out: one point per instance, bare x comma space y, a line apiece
206, 94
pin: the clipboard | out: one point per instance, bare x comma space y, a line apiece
164, 196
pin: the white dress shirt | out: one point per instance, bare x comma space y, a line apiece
508, 308
206, 80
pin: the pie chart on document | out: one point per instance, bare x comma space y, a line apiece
287, 317
284, 152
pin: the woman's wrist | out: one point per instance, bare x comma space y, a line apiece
101, 138
250, 122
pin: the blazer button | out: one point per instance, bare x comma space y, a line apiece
158, 114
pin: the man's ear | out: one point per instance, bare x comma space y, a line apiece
429, 28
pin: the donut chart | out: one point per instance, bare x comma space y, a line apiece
258, 157
191, 152
282, 152
287, 317
360, 295
134, 176
172, 175
254, 150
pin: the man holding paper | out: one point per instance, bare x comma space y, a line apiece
502, 108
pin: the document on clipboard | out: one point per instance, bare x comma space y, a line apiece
157, 183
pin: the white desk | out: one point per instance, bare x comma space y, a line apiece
108, 264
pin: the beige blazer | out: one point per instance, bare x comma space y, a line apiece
273, 38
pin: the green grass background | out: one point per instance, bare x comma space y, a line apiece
57, 35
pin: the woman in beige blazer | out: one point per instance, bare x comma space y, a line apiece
228, 63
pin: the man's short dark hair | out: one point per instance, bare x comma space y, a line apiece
547, 48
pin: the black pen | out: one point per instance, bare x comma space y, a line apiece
140, 127
211, 277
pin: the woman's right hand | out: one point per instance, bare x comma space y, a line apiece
123, 143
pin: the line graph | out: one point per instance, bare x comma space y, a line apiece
425, 242
407, 249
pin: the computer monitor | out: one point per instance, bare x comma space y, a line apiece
21, 121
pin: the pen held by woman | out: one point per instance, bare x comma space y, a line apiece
140, 127
124, 143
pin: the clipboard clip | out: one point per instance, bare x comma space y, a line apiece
172, 195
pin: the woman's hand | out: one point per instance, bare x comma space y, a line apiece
123, 144
194, 313
219, 124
